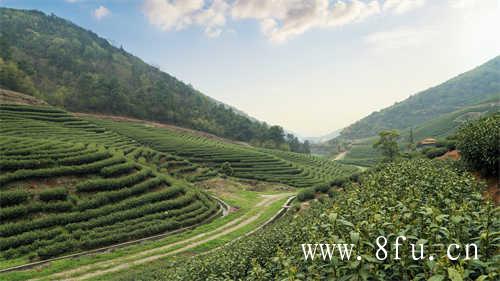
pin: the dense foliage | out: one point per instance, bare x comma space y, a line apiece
427, 201
52, 58
479, 145
470, 88
305, 194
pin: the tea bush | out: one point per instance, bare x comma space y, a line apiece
305, 194
60, 193
479, 144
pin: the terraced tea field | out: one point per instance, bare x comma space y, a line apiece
63, 192
85, 197
52, 123
250, 163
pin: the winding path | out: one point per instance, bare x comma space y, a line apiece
341, 155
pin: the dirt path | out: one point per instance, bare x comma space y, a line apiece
125, 262
341, 155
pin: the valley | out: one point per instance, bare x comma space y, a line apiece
113, 169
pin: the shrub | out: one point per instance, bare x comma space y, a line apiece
323, 188
434, 152
13, 197
113, 183
305, 194
355, 177
478, 142
339, 182
56, 249
59, 206
54, 194
118, 169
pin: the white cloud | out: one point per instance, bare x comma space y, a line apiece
176, 15
279, 20
101, 12
213, 18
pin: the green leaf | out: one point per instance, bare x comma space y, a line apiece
354, 237
344, 222
454, 275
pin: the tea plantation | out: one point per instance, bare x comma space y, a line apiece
290, 168
70, 184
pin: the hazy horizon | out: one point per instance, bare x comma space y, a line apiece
312, 67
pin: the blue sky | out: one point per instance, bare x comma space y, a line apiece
312, 66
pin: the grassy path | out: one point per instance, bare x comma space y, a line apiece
341, 155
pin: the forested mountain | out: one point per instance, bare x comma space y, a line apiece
470, 88
66, 65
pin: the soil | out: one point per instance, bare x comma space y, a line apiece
11, 97
453, 155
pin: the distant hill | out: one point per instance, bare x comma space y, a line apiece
53, 59
467, 89
323, 138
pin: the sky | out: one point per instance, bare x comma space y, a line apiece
311, 66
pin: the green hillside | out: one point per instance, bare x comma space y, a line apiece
467, 89
66, 65
447, 124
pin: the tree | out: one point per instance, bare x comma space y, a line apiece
276, 134
411, 141
293, 142
387, 144
306, 147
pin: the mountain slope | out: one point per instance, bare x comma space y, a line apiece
66, 65
467, 89
448, 123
